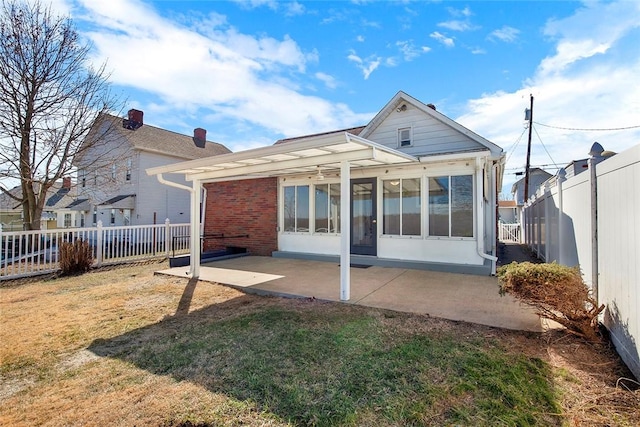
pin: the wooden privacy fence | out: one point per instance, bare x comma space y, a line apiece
29, 253
592, 220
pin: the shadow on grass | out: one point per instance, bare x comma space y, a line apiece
317, 363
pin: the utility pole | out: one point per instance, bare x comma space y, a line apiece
528, 114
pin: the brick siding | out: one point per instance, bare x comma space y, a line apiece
243, 207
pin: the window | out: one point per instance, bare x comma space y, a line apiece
451, 206
83, 177
128, 175
82, 219
296, 208
95, 217
67, 220
404, 137
126, 217
327, 208
401, 207
113, 216
113, 171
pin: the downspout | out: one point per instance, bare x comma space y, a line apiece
480, 218
194, 264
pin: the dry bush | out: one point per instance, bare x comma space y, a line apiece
557, 292
76, 257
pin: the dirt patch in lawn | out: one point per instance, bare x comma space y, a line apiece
122, 346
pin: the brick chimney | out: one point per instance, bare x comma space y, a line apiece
66, 182
200, 137
133, 120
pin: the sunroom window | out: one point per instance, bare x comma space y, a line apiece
401, 207
327, 202
296, 208
451, 206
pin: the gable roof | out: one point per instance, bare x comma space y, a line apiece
402, 97
161, 141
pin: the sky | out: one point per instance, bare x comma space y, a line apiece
252, 72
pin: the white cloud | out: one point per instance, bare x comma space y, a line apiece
328, 80
447, 41
360, 38
219, 72
584, 85
410, 51
506, 34
457, 25
367, 65
592, 30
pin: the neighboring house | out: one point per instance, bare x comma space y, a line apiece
536, 177
411, 188
112, 185
10, 211
55, 213
508, 211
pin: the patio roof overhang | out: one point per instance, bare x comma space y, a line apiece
339, 151
297, 157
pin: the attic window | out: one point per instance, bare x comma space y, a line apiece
404, 137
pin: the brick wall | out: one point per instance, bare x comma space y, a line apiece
243, 207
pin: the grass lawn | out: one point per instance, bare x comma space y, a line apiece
123, 347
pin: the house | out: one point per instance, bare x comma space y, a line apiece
508, 211
55, 213
411, 188
112, 185
537, 176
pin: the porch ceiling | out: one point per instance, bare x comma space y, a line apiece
303, 156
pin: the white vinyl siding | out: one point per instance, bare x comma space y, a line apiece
428, 135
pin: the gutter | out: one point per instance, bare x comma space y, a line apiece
161, 180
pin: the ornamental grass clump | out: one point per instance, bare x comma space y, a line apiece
557, 292
76, 257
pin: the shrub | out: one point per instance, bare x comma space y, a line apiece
76, 257
557, 292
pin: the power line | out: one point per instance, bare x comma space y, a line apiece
588, 130
545, 147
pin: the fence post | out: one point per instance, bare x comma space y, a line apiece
562, 177
595, 157
547, 222
167, 237
99, 243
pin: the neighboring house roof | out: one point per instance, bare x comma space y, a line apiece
507, 204
153, 139
532, 172
8, 203
123, 201
53, 200
353, 131
79, 205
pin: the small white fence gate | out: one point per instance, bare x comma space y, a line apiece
509, 232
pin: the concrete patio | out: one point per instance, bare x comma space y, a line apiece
451, 296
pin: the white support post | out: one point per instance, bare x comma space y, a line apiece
345, 231
168, 238
99, 243
194, 268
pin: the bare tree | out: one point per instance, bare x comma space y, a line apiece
50, 98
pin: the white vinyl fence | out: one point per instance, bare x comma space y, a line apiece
508, 232
593, 220
29, 253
